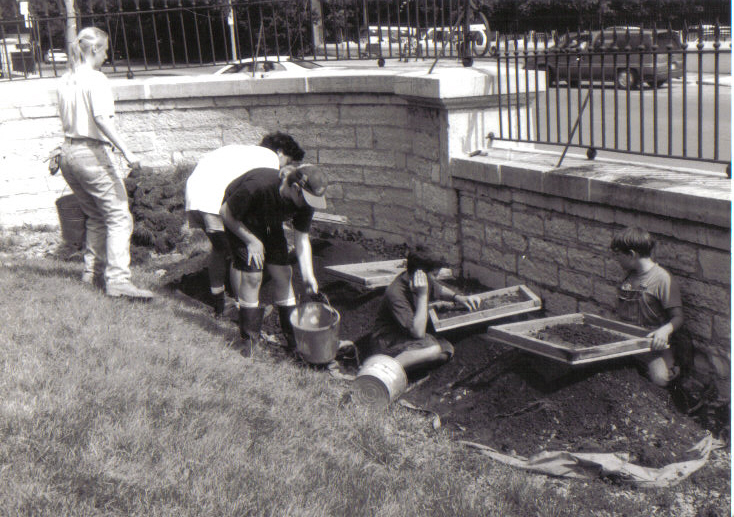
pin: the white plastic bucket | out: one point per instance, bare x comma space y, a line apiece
380, 381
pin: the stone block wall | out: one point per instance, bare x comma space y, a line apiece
553, 235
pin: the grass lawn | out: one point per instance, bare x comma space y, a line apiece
111, 407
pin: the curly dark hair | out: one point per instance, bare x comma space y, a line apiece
421, 258
285, 143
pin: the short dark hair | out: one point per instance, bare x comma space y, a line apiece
423, 259
285, 143
634, 239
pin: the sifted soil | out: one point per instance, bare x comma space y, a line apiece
576, 335
500, 396
486, 304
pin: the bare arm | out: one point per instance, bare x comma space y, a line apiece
107, 125
661, 336
419, 286
255, 248
305, 260
445, 293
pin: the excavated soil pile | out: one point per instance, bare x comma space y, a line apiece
497, 395
577, 335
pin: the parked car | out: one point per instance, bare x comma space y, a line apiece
270, 65
55, 55
624, 57
388, 41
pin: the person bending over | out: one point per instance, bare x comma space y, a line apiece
254, 209
205, 189
400, 328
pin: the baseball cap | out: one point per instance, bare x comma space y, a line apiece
313, 184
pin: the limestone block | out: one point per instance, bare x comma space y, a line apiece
586, 261
466, 205
376, 115
29, 129
426, 145
487, 275
363, 157
500, 259
359, 213
566, 184
676, 256
711, 236
556, 303
524, 197
388, 178
595, 236
537, 270
592, 307
33, 112
613, 271
604, 293
515, 241
493, 236
700, 294
325, 137
698, 322
527, 222
392, 138
423, 168
598, 213
548, 251
473, 230
472, 250
494, 212
345, 174
576, 283
722, 327
395, 219
715, 265
365, 138
560, 227
436, 199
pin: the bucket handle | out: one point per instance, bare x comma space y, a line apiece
320, 296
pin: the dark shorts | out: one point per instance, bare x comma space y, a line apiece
276, 250
394, 345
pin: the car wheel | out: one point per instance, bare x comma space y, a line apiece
627, 78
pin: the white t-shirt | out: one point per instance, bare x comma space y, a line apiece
217, 169
83, 95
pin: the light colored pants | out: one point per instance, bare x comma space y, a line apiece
89, 169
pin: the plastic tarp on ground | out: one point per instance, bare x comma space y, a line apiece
589, 465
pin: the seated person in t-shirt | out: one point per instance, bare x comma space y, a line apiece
400, 327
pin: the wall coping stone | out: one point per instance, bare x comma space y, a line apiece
672, 192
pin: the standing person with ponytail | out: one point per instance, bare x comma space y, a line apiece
87, 111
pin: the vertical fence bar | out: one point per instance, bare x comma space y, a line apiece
124, 37
603, 93
528, 115
518, 107
211, 35
641, 86
195, 15
684, 96
717, 45
154, 23
699, 115
140, 29
670, 91
499, 92
655, 48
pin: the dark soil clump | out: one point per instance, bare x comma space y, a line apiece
576, 335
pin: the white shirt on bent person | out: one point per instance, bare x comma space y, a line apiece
217, 169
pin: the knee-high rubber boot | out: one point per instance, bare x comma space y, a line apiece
251, 321
284, 314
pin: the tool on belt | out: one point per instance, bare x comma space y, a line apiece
54, 161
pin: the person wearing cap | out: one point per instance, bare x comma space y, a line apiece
205, 189
254, 208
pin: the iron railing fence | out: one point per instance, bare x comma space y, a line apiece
598, 96
635, 91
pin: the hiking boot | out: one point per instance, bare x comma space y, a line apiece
284, 315
128, 290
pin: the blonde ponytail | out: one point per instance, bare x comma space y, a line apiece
81, 47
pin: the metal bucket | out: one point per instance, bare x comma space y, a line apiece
316, 330
380, 381
72, 220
